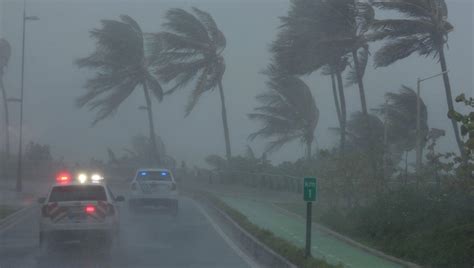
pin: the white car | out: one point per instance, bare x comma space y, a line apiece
153, 188
84, 210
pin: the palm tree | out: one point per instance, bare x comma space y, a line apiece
335, 69
359, 138
423, 29
288, 112
400, 114
191, 50
298, 50
346, 24
121, 67
319, 33
5, 53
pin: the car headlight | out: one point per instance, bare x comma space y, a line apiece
82, 178
96, 178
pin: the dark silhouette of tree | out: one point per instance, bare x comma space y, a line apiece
191, 51
122, 67
423, 29
288, 112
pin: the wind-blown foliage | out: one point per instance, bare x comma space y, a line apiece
400, 113
288, 112
422, 28
319, 33
359, 137
191, 51
5, 53
121, 66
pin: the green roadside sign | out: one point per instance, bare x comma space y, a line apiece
309, 189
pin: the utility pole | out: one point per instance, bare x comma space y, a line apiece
19, 185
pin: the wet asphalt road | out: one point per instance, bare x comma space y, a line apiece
149, 239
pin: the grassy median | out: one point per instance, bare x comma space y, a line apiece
6, 210
285, 248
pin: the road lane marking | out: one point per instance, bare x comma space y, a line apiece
16, 220
229, 242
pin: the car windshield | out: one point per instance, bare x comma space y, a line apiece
154, 176
78, 193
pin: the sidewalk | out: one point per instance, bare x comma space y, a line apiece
258, 207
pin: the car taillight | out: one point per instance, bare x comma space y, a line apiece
173, 186
134, 186
89, 209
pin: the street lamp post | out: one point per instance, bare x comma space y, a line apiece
19, 185
418, 120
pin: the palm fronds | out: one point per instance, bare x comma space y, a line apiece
287, 112
120, 62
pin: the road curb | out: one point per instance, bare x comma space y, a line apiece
264, 255
352, 242
10, 221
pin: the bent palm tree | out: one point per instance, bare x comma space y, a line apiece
121, 68
191, 50
288, 112
400, 113
423, 30
318, 33
5, 53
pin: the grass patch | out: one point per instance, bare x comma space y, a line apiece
281, 246
6, 210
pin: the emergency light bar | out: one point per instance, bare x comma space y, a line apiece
94, 178
63, 178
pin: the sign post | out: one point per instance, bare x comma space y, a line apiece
309, 195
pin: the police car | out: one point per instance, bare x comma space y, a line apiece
153, 188
83, 210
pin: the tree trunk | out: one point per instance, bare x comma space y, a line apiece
6, 160
449, 99
154, 147
363, 103
342, 99
7, 120
224, 122
360, 83
308, 151
406, 167
336, 99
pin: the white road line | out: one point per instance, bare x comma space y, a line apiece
16, 220
229, 242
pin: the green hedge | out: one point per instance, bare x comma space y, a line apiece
434, 229
286, 249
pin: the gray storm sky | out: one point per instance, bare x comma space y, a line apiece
61, 35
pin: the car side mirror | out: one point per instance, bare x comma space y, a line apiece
119, 198
41, 200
